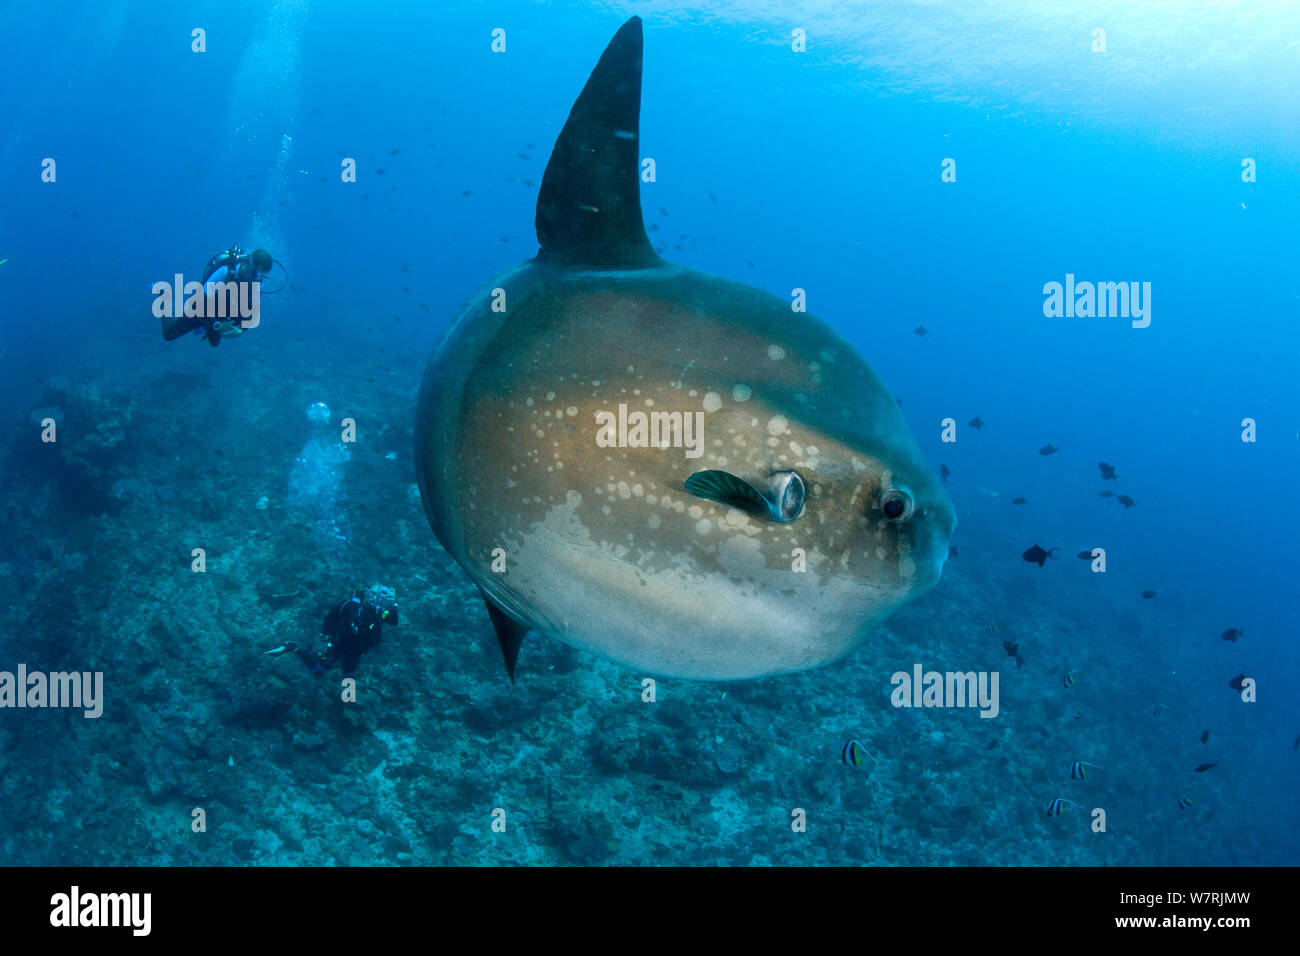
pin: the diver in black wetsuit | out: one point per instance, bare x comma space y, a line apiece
350, 630
232, 265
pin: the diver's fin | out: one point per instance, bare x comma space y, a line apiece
510, 634
589, 206
726, 488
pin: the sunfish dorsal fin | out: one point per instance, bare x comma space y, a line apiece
589, 207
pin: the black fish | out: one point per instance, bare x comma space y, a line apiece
1048, 450
976, 423
1205, 736
1019, 501
1106, 494
1232, 633
1038, 556
853, 753
1126, 501
1237, 682
1013, 650
944, 472
1205, 766
952, 551
1107, 471
920, 330
1086, 555
1148, 594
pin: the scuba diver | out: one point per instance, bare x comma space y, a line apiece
232, 265
350, 630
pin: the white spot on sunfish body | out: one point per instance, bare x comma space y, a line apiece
741, 392
703, 526
712, 402
775, 353
737, 519
777, 425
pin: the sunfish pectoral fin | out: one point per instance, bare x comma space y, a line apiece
725, 488
589, 205
510, 634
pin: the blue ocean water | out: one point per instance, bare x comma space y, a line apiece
1167, 157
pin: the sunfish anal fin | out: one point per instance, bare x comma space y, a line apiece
510, 634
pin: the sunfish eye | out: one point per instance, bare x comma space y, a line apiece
788, 495
896, 504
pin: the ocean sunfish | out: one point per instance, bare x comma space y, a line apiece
672, 470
